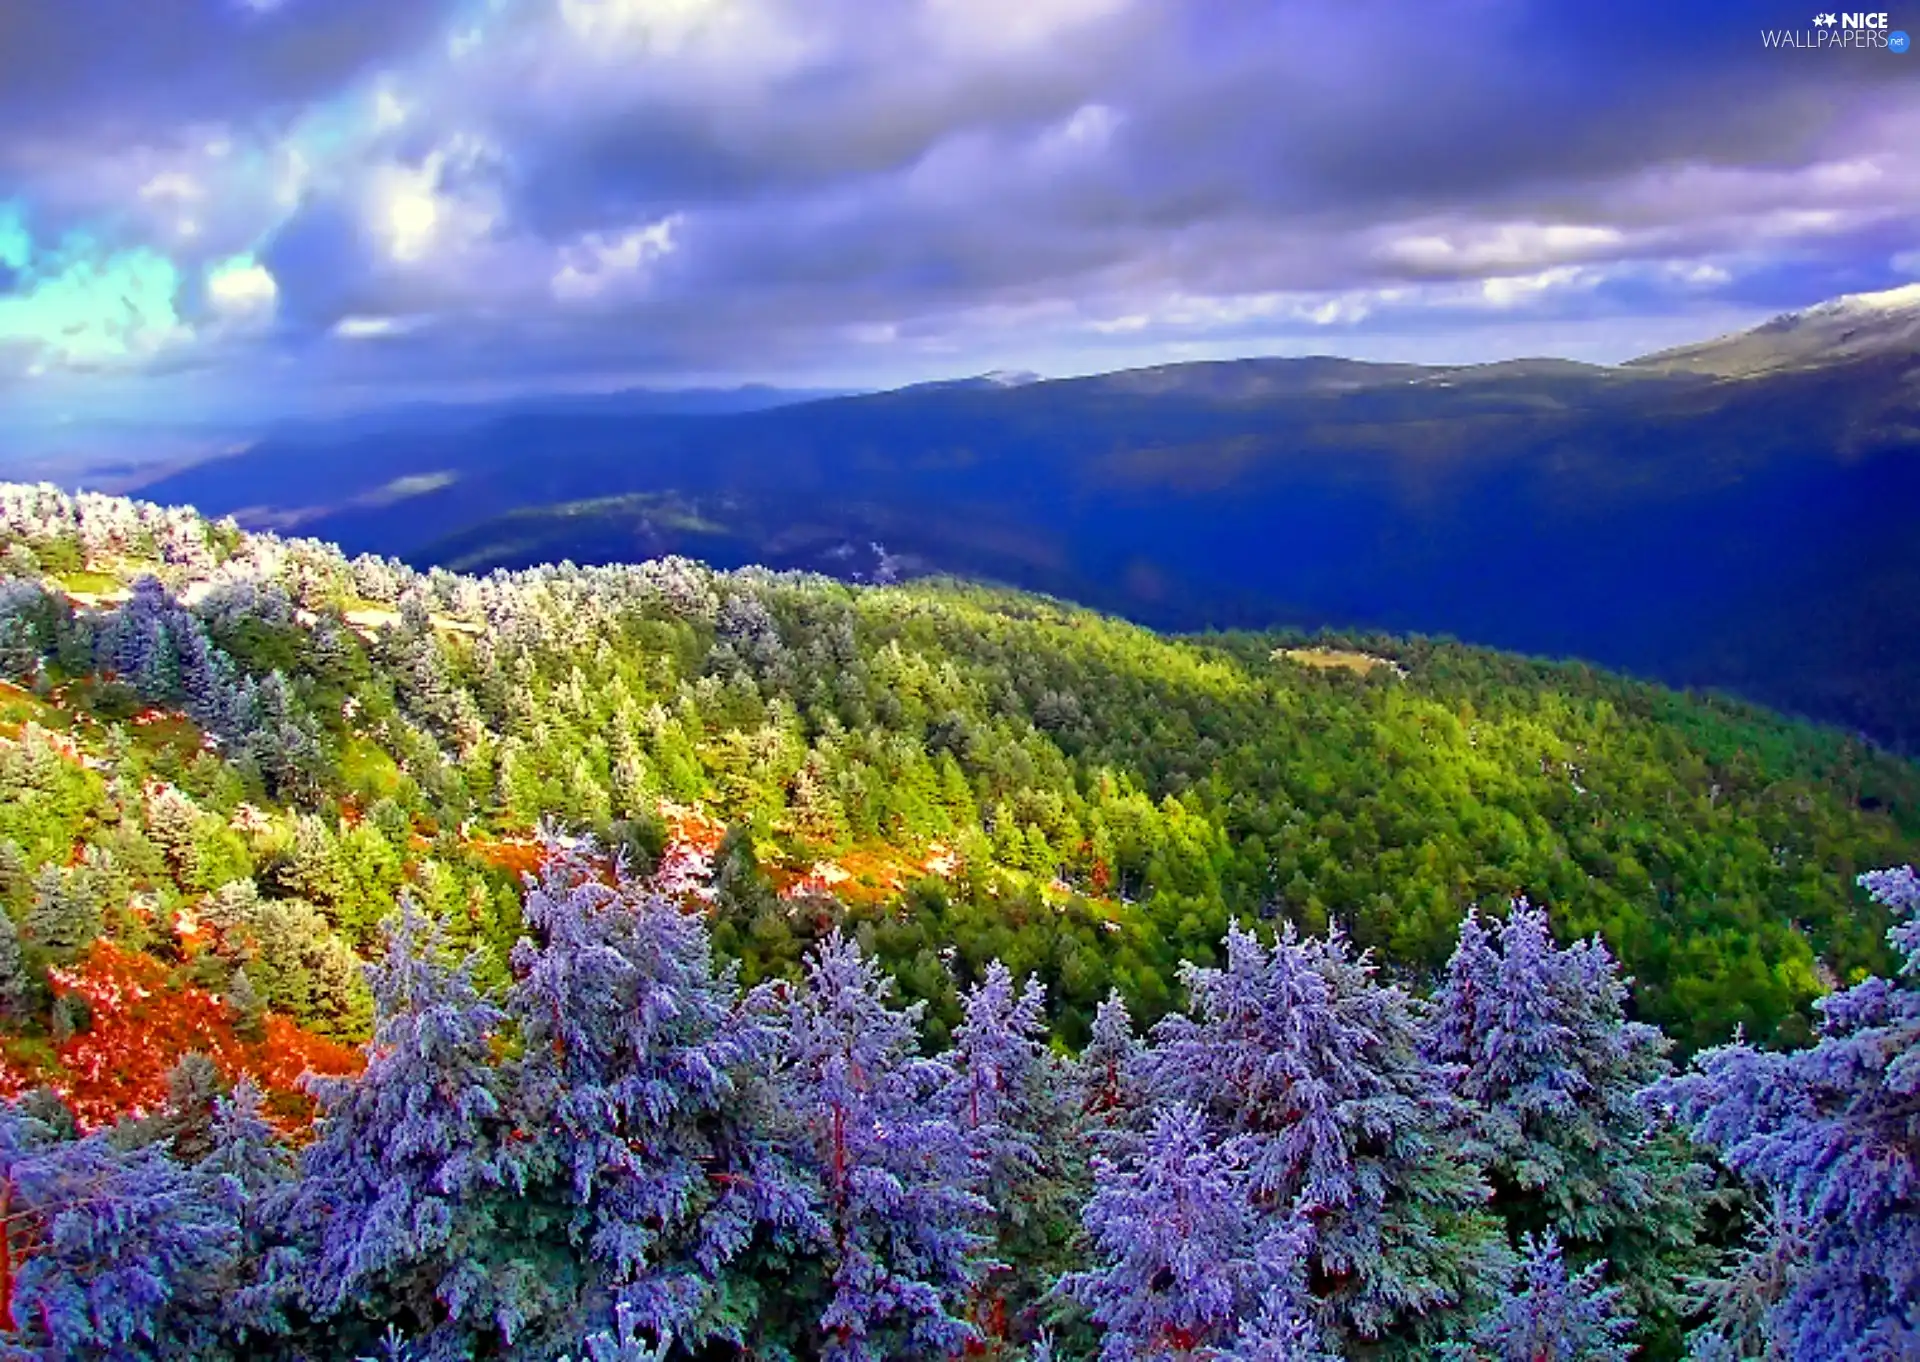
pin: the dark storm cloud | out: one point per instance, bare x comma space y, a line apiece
72, 70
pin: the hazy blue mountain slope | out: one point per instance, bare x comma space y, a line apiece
1703, 530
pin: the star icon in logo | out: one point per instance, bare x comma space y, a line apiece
1825, 20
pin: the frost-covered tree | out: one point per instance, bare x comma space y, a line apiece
1549, 1315
16, 989
106, 1252
249, 1170
895, 1170
1105, 1075
406, 1181
634, 1049
1188, 1265
64, 917
1829, 1139
1299, 1049
1545, 1050
1013, 1100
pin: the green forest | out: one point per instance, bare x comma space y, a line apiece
259, 729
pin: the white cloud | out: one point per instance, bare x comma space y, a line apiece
409, 210
389, 110
1508, 246
242, 289
601, 260
369, 328
1514, 289
172, 184
997, 25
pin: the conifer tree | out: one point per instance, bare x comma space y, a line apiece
63, 917
1300, 1050
1188, 1263
1827, 1138
896, 1179
1106, 1074
15, 987
106, 1252
633, 1050
249, 1170
1548, 1056
249, 1009
1013, 1102
1551, 1316
403, 1186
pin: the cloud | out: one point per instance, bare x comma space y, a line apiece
601, 261
242, 289
369, 328
549, 191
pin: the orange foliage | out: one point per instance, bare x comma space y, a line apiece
521, 856
143, 1024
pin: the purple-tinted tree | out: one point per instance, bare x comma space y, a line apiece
408, 1184
106, 1252
634, 1051
1188, 1265
1301, 1051
902, 1244
250, 1171
1012, 1099
1544, 1049
1549, 1315
1829, 1140
1105, 1075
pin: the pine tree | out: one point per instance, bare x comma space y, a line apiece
895, 1174
634, 1046
1188, 1264
107, 1252
184, 1125
1012, 1100
16, 988
1546, 1052
63, 918
249, 1010
1826, 1137
1549, 1316
249, 1170
1106, 1075
1300, 1050
402, 1187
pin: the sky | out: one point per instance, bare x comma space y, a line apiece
245, 208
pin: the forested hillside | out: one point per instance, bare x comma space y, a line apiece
228, 757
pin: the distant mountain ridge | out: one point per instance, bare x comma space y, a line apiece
1849, 327
1736, 514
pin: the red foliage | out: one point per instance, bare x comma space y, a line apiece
143, 1024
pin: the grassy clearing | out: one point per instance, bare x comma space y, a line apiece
1338, 659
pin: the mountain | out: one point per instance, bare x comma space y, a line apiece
1742, 533
1859, 324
